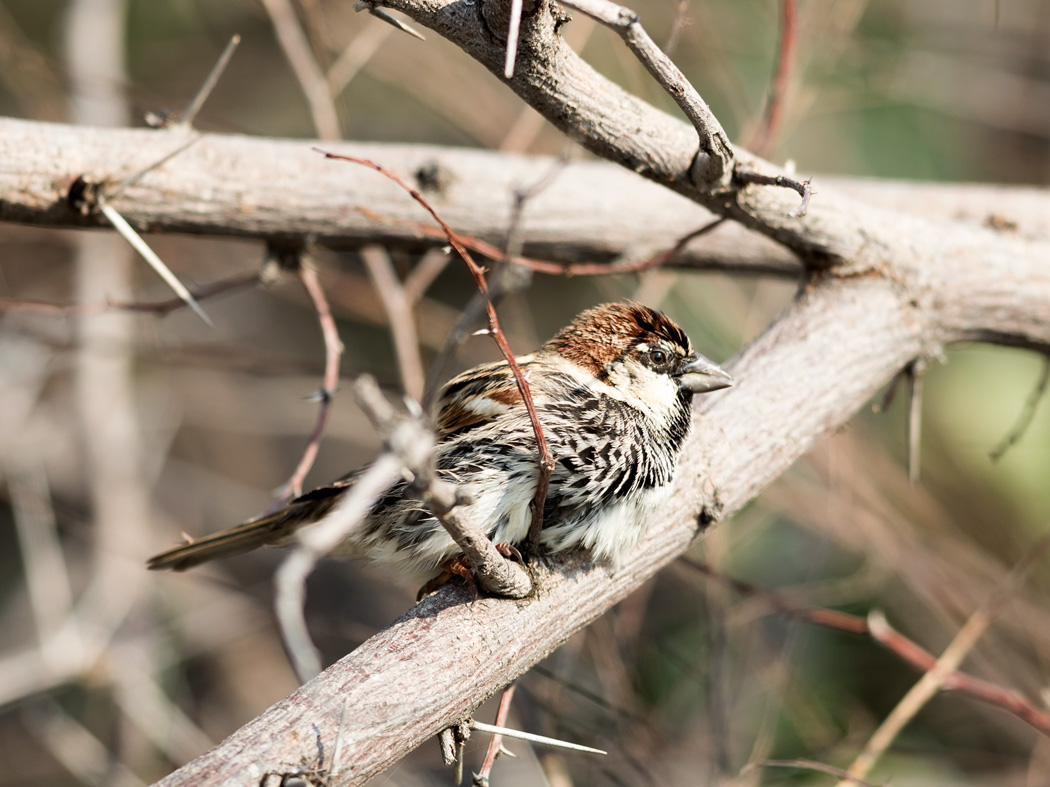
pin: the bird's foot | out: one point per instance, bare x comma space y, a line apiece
450, 569
460, 567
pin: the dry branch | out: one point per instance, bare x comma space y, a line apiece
237, 186
805, 377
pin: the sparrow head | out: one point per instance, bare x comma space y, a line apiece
638, 351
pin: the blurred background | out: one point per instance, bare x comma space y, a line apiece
119, 431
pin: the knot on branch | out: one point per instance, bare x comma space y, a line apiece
83, 195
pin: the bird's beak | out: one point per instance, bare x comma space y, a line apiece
701, 375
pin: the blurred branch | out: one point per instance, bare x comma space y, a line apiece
400, 318
876, 627
313, 543
809, 765
304, 65
937, 674
1024, 420
765, 136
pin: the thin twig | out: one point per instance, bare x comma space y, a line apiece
627, 266
427, 269
769, 128
44, 306
333, 347
304, 65
983, 690
681, 19
315, 542
400, 318
896, 642
746, 176
547, 266
546, 462
933, 680
521, 198
713, 139
237, 281
210, 81
413, 443
499, 286
1027, 414
496, 741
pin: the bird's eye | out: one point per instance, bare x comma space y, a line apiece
657, 356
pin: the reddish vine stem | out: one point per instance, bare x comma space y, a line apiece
496, 741
909, 651
546, 464
556, 268
333, 352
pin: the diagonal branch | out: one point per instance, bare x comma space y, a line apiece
714, 143
848, 336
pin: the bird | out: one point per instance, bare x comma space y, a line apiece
613, 393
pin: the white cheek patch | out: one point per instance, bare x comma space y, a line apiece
654, 394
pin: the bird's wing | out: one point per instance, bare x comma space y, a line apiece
477, 397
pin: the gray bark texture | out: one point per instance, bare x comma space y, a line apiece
883, 283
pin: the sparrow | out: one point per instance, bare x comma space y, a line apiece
613, 392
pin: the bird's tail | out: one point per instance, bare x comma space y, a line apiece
235, 541
275, 528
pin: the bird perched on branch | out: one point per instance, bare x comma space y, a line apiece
612, 391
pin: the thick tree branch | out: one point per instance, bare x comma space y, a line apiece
805, 377
278, 189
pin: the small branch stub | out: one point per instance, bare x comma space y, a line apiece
749, 176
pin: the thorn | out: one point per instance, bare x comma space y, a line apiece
131, 180
503, 750
378, 13
128, 233
319, 396
187, 537
532, 738
482, 332
209, 82
512, 38
915, 379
